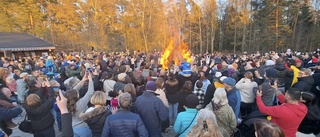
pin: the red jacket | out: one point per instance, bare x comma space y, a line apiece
287, 116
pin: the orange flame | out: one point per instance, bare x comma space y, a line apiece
175, 51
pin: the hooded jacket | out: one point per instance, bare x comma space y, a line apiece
304, 83
171, 87
310, 124
287, 116
281, 74
95, 119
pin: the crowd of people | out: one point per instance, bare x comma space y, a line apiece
102, 94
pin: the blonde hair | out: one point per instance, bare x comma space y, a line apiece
99, 98
33, 100
220, 97
206, 118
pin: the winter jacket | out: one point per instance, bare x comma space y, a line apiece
22, 90
66, 123
41, 116
103, 65
182, 79
180, 97
281, 74
304, 83
8, 111
268, 93
171, 89
206, 83
50, 65
162, 97
234, 100
95, 119
245, 86
72, 72
210, 91
284, 114
310, 123
183, 120
152, 111
119, 86
82, 104
124, 123
108, 86
225, 116
295, 74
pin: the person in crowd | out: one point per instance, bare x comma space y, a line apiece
246, 86
108, 84
295, 71
16, 74
180, 97
66, 116
199, 93
224, 113
129, 88
187, 119
39, 112
114, 101
22, 87
96, 116
151, 110
291, 111
266, 128
186, 75
212, 87
309, 126
162, 95
123, 122
72, 70
207, 126
119, 85
305, 80
268, 92
281, 72
102, 63
233, 95
50, 65
204, 81
76, 105
171, 87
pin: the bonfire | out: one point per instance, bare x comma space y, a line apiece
176, 51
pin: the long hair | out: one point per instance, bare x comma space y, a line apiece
33, 100
266, 128
206, 125
72, 97
130, 89
187, 87
308, 98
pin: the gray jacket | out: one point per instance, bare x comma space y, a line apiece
22, 90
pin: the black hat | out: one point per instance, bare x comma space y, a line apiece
192, 101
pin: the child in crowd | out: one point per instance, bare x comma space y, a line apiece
114, 101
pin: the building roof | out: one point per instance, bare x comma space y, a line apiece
23, 42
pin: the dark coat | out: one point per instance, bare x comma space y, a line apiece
95, 119
182, 79
66, 122
281, 74
152, 111
310, 124
171, 89
180, 97
304, 83
124, 123
41, 116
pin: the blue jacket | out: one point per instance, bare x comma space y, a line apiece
234, 100
50, 64
152, 111
9, 113
183, 121
124, 124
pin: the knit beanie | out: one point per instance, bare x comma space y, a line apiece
192, 101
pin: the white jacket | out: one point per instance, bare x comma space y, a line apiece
245, 86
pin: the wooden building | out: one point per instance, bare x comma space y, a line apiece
23, 44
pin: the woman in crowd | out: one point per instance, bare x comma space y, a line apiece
171, 87
77, 105
266, 128
245, 86
129, 88
39, 113
180, 97
186, 120
162, 95
108, 84
224, 113
123, 122
309, 126
96, 116
207, 126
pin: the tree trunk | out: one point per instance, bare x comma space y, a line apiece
213, 35
220, 37
244, 31
200, 36
235, 40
